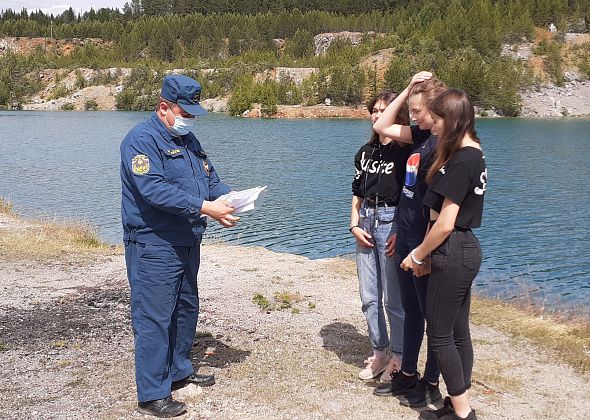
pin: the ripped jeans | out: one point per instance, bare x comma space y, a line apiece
378, 280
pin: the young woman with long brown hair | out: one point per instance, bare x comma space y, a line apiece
406, 383
379, 172
456, 185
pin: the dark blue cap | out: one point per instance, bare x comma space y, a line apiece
184, 91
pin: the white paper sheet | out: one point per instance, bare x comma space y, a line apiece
243, 200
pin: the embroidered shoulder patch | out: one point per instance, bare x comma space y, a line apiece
140, 164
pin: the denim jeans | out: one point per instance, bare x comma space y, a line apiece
413, 295
378, 281
455, 264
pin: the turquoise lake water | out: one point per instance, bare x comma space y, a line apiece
535, 232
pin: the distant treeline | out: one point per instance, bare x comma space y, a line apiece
460, 40
542, 12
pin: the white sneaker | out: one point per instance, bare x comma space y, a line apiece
394, 365
375, 366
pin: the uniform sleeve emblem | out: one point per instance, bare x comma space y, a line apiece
140, 164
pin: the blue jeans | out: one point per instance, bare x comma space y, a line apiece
413, 293
378, 281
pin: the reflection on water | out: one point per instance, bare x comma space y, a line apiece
65, 164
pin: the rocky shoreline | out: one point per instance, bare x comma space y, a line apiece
284, 335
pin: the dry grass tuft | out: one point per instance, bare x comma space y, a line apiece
492, 374
342, 266
6, 207
50, 241
569, 338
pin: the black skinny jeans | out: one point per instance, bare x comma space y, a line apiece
413, 292
455, 263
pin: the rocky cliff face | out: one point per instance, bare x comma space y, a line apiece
548, 100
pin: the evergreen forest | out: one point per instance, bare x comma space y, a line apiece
225, 43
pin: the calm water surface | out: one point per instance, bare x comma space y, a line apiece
535, 230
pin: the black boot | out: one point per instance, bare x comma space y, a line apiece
198, 380
163, 408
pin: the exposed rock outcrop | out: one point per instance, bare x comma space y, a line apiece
323, 41
570, 100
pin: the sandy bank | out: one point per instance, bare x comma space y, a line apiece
67, 348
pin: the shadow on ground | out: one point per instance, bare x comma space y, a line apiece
350, 346
209, 351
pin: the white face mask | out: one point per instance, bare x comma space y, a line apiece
182, 126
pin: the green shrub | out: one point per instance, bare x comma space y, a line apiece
90, 105
59, 92
68, 106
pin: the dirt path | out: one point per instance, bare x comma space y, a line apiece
67, 349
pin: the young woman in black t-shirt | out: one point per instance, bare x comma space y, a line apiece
406, 383
379, 172
457, 183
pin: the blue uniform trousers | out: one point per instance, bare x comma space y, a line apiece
164, 312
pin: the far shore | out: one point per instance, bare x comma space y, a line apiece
284, 335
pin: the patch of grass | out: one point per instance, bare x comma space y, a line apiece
261, 301
569, 338
342, 266
59, 344
285, 299
281, 301
204, 334
310, 305
6, 207
51, 241
3, 347
491, 374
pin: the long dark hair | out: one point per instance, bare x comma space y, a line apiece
456, 110
387, 96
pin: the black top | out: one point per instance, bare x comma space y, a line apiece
379, 171
463, 180
410, 212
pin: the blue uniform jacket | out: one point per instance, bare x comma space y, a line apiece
165, 180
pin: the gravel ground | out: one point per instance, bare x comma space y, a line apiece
67, 348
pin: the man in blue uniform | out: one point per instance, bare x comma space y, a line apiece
169, 185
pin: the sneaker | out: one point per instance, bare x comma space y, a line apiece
400, 384
454, 416
394, 364
375, 365
444, 412
421, 395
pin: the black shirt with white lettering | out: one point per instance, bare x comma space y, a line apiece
462, 180
410, 212
379, 172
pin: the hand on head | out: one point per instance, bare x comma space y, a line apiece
420, 77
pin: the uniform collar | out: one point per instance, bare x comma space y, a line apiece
159, 125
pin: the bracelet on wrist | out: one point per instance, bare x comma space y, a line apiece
416, 261
350, 229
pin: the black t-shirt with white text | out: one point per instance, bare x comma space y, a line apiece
463, 180
379, 172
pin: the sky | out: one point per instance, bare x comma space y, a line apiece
58, 6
